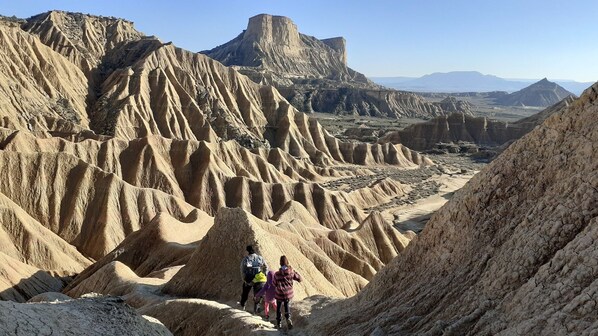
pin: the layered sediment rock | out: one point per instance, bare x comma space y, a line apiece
460, 127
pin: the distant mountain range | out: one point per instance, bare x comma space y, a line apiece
468, 81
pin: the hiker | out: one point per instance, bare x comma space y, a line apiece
267, 293
258, 282
250, 267
283, 282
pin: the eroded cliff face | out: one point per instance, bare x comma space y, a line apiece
460, 127
513, 252
82, 39
313, 74
37, 83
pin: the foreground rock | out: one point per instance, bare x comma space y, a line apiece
513, 252
102, 317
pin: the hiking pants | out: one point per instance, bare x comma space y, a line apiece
267, 305
247, 288
287, 309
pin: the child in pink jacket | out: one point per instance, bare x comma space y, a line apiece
268, 292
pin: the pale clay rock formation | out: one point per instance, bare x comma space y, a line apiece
157, 252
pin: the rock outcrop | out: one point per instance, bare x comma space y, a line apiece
19, 281
191, 317
83, 39
460, 127
93, 316
313, 74
450, 104
543, 93
512, 253
272, 46
321, 275
37, 83
183, 258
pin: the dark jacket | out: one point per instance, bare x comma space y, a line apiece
283, 282
251, 265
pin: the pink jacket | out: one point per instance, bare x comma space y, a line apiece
268, 291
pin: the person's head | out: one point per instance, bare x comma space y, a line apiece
284, 261
250, 249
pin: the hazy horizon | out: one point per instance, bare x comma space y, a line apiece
510, 39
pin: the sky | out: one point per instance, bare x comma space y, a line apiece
528, 39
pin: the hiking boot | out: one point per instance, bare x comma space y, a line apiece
289, 324
277, 324
267, 317
241, 306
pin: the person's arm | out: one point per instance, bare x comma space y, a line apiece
297, 277
265, 265
261, 292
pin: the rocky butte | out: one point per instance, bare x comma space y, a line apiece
312, 74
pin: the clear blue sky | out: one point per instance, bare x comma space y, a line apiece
509, 38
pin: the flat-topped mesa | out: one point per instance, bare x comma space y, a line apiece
272, 30
338, 44
273, 44
310, 72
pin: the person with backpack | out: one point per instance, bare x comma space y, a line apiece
283, 282
250, 267
267, 293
